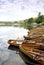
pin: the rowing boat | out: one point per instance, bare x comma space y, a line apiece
33, 51
36, 38
36, 34
19, 42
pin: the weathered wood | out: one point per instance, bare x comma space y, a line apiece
30, 41
19, 42
33, 52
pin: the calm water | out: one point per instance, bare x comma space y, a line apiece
10, 55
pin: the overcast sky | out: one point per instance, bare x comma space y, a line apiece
11, 10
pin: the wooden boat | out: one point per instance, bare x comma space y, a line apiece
36, 34
19, 42
33, 51
37, 31
36, 38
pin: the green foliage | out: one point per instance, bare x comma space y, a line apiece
40, 19
42, 23
30, 20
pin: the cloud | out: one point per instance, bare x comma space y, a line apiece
20, 9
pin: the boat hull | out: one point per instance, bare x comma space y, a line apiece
26, 51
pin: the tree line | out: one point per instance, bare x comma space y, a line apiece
39, 20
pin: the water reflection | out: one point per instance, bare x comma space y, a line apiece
11, 47
7, 56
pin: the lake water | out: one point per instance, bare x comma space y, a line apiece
10, 55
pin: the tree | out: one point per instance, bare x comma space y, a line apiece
40, 18
30, 20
